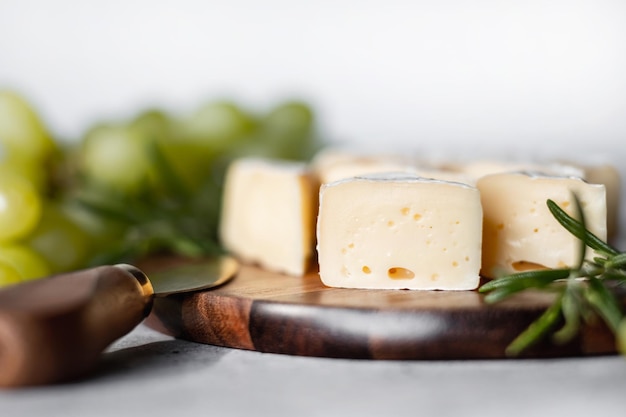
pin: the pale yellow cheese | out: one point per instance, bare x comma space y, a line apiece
520, 233
445, 175
363, 166
333, 165
268, 214
609, 176
399, 232
602, 173
479, 168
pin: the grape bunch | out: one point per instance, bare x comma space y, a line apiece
130, 188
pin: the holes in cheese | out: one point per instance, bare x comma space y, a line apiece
400, 273
520, 233
521, 266
399, 231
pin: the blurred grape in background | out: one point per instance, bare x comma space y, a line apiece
128, 188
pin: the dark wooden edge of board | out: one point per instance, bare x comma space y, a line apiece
299, 316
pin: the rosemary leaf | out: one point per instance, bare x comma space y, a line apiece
537, 329
527, 279
577, 229
582, 249
108, 210
616, 261
170, 178
502, 293
603, 302
621, 337
571, 309
618, 276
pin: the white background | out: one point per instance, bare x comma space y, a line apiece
521, 77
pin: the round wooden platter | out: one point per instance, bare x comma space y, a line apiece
269, 312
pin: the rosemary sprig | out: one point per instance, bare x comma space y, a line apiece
583, 292
174, 219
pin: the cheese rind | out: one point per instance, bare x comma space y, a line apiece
481, 168
268, 214
333, 165
399, 232
359, 167
520, 233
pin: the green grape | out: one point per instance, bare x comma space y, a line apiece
219, 126
288, 131
152, 125
59, 240
188, 157
22, 131
188, 160
191, 146
115, 157
20, 206
32, 171
28, 263
293, 117
8, 275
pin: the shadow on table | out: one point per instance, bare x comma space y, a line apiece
163, 357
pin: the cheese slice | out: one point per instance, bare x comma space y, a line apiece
399, 231
520, 233
268, 214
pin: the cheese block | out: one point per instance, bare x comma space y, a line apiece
480, 168
361, 166
329, 156
520, 233
609, 176
268, 214
332, 164
399, 231
445, 175
602, 173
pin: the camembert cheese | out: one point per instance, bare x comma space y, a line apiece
520, 233
399, 231
268, 214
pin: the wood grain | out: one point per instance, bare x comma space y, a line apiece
269, 312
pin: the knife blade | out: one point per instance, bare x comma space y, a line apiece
54, 329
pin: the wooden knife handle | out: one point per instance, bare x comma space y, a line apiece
54, 329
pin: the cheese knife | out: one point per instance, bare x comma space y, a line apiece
54, 329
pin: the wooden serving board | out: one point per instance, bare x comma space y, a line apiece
269, 312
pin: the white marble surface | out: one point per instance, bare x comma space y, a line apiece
148, 374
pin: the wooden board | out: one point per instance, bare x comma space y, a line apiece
268, 312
